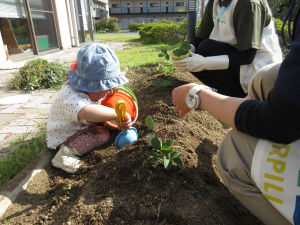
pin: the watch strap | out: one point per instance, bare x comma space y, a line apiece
196, 90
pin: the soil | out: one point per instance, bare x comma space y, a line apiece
124, 187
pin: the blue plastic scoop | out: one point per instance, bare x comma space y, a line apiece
127, 136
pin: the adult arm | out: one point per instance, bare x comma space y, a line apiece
220, 106
275, 119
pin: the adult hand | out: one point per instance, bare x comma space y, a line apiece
198, 63
178, 95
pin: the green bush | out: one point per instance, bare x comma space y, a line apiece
278, 26
111, 24
101, 24
133, 26
163, 31
165, 21
39, 74
152, 33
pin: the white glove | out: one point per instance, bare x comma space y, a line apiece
193, 49
198, 63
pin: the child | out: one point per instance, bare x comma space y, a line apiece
95, 74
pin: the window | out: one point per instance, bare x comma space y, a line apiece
179, 3
153, 20
116, 6
153, 4
179, 19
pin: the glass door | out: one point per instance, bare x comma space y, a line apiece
43, 24
79, 20
14, 28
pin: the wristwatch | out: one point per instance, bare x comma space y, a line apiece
192, 98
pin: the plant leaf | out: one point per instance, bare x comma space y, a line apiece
151, 137
178, 162
186, 45
166, 151
150, 123
168, 163
174, 155
178, 51
155, 142
167, 57
167, 143
164, 51
160, 157
154, 160
151, 154
161, 55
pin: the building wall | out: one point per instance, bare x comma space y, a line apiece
2, 51
63, 25
148, 10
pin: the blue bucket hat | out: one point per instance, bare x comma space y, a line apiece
98, 69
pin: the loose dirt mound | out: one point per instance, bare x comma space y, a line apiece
123, 187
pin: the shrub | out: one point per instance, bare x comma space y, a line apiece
278, 26
101, 24
38, 74
163, 31
165, 21
159, 32
111, 24
133, 26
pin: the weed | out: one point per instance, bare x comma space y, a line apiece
166, 69
20, 153
39, 74
139, 178
8, 220
162, 82
165, 152
70, 185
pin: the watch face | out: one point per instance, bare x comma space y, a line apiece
190, 100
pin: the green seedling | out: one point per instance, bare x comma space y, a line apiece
164, 150
166, 69
162, 82
179, 48
70, 185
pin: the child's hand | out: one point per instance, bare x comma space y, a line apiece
112, 91
126, 123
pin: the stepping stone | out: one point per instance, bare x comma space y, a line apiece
17, 99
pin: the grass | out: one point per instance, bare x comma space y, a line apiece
140, 55
21, 152
135, 54
116, 38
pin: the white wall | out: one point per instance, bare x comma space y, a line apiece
63, 25
2, 52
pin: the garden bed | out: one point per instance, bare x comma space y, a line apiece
123, 187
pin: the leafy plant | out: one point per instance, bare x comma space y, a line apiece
111, 24
70, 185
39, 74
164, 149
166, 69
180, 48
162, 82
133, 26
